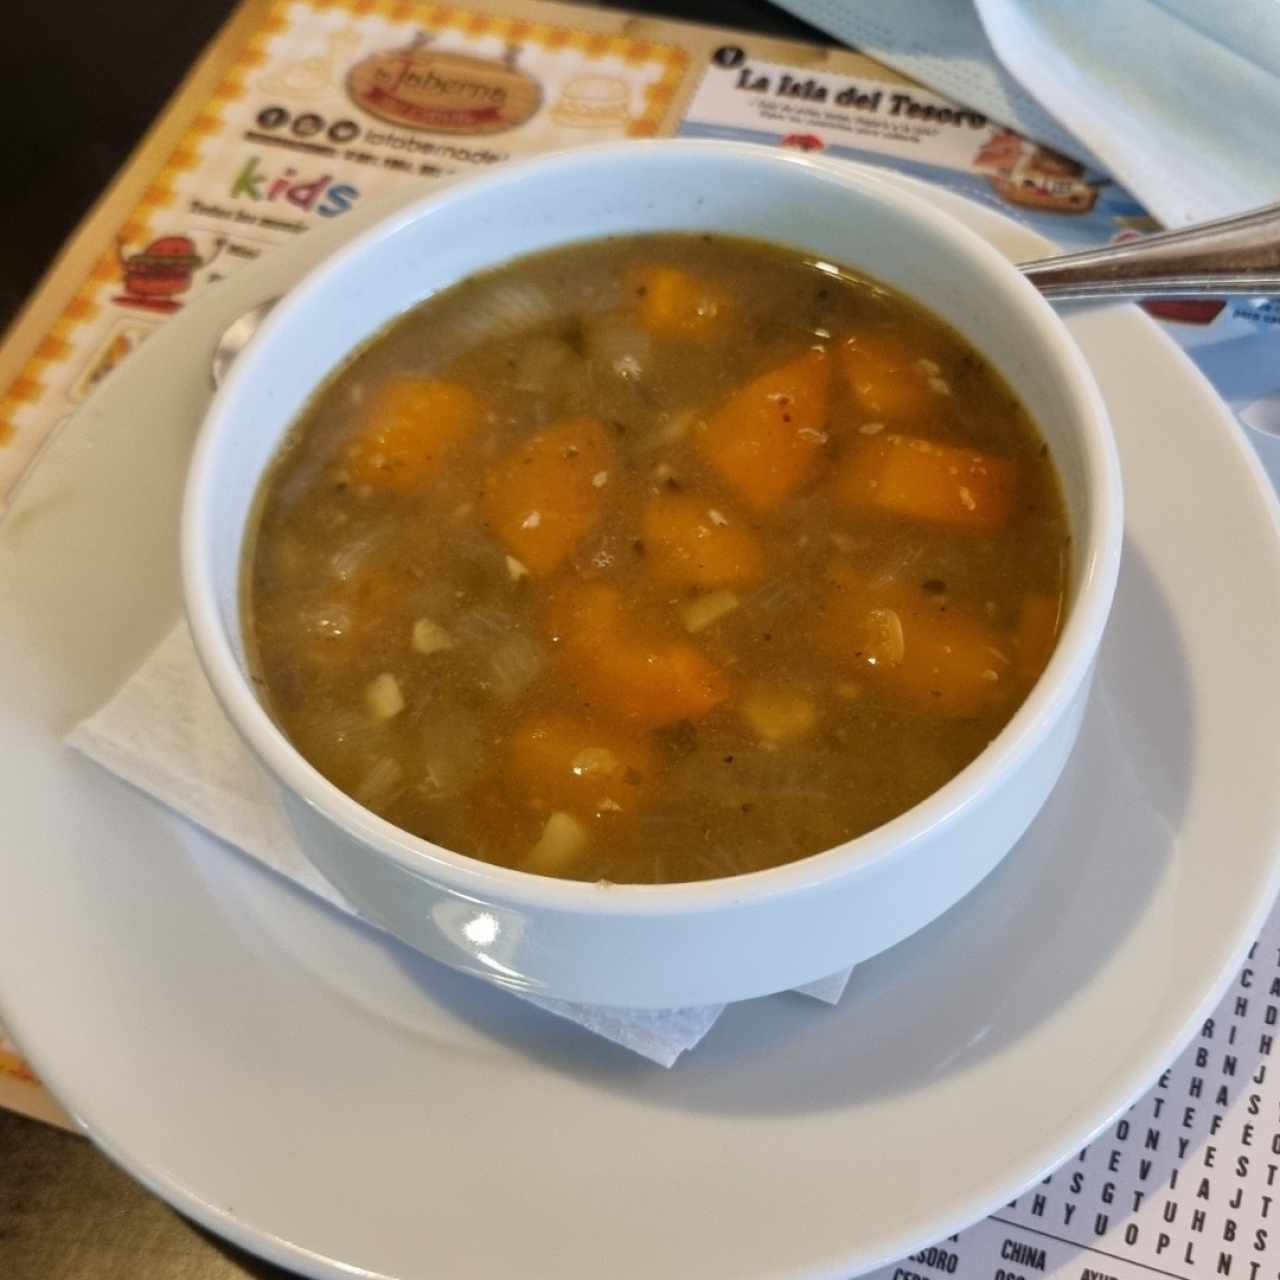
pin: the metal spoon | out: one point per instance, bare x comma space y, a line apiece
235, 337
1237, 255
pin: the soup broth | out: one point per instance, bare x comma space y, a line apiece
655, 559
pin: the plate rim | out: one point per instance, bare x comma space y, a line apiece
1129, 1084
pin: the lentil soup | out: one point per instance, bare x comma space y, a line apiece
655, 559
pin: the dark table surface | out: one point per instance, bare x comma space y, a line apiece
75, 96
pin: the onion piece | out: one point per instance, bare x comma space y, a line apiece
379, 783
562, 841
544, 364
595, 762
887, 643
383, 697
618, 343
429, 637
483, 626
674, 429
503, 311
514, 665
778, 714
702, 611
345, 738
345, 563
325, 620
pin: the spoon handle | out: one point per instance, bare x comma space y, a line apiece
1236, 255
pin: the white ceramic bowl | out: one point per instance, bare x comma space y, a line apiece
665, 945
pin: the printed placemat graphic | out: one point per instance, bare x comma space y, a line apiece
331, 103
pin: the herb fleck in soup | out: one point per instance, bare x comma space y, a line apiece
655, 559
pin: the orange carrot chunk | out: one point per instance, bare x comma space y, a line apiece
672, 302
645, 679
569, 763
934, 661
924, 480
765, 440
889, 377
546, 495
689, 541
408, 430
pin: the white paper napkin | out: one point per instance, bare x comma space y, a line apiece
1176, 99
165, 733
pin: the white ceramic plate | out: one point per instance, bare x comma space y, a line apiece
327, 1098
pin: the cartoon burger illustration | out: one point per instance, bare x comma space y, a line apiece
164, 268
593, 102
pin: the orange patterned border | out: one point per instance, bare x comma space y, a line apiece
13, 1065
29, 385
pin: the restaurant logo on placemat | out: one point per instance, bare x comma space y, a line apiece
443, 92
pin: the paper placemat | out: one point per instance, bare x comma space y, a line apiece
303, 108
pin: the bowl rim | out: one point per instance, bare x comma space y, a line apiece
1048, 701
